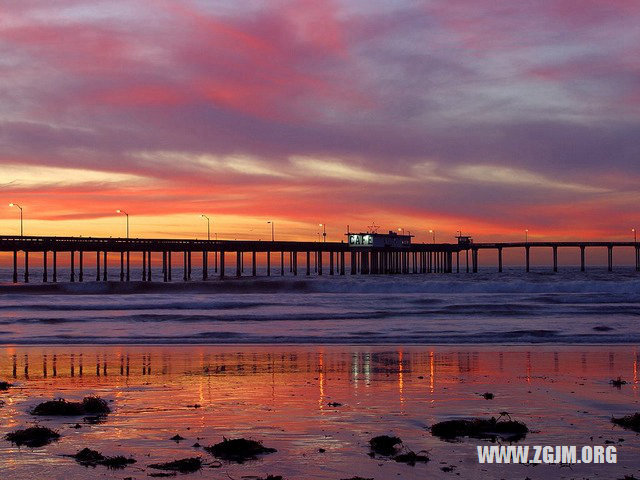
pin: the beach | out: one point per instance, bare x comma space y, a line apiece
318, 406
316, 368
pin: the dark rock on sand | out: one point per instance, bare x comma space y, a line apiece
385, 445
95, 406
117, 462
177, 438
411, 458
33, 436
5, 385
238, 450
62, 407
630, 422
86, 456
185, 465
487, 396
618, 382
92, 458
492, 429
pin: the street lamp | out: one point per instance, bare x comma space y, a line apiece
401, 230
526, 236
16, 205
122, 211
208, 226
635, 235
433, 235
324, 231
272, 233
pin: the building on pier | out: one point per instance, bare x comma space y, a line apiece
464, 239
379, 240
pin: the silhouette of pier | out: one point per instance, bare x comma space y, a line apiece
302, 258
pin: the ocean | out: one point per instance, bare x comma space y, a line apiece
570, 307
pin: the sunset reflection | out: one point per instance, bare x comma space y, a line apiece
302, 398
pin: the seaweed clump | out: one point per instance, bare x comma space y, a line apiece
93, 458
33, 437
62, 407
238, 450
492, 429
385, 445
618, 382
630, 422
389, 446
185, 465
411, 458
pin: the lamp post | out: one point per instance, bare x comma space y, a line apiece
635, 235
208, 226
122, 211
272, 231
526, 236
400, 229
433, 235
324, 231
16, 205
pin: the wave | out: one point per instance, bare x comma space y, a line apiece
509, 337
617, 284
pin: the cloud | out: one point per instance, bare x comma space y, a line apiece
210, 164
341, 170
492, 174
26, 176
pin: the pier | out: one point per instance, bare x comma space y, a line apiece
295, 258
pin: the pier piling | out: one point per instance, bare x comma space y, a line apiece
268, 263
80, 266
104, 267
73, 268
44, 267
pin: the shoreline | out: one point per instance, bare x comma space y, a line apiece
337, 345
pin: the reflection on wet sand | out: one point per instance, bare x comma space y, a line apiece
287, 396
361, 366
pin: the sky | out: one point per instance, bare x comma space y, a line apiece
489, 117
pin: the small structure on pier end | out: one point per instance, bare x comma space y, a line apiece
464, 239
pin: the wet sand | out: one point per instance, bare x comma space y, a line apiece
281, 395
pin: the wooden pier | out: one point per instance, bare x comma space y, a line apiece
302, 258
